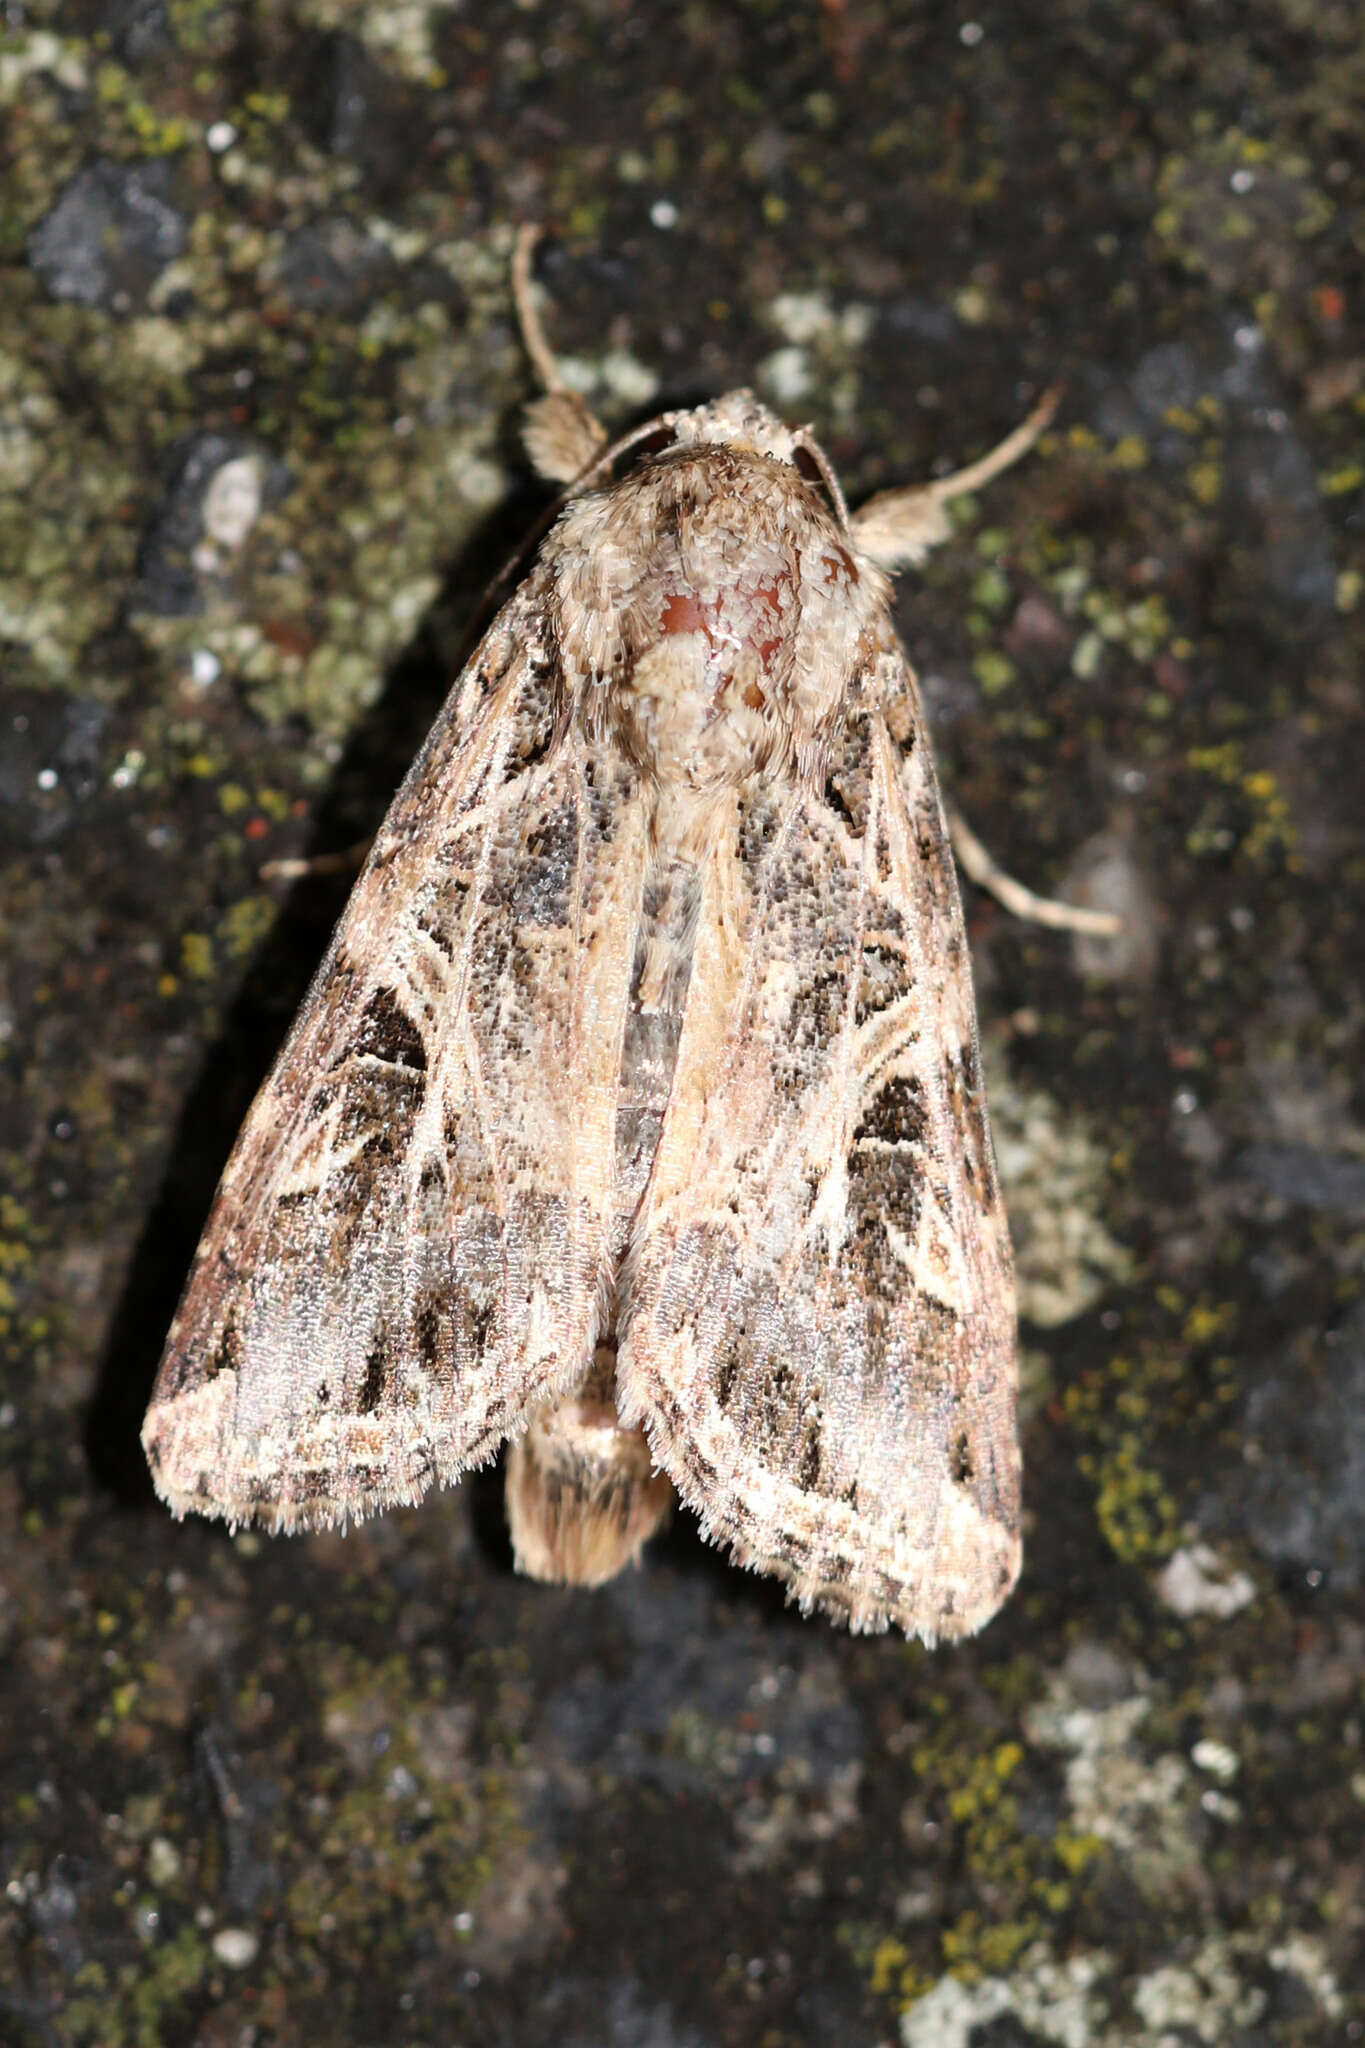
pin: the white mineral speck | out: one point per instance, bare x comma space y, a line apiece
786, 375
802, 316
1195, 1581
235, 1947
232, 502
1215, 1758
627, 378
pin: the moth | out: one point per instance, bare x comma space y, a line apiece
635, 1115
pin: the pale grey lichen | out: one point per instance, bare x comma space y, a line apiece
1053, 1172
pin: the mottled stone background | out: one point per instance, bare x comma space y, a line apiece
258, 386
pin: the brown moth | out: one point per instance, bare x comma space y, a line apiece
635, 1115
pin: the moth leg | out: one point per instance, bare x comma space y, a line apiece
898, 528
349, 860
559, 434
583, 1496
983, 869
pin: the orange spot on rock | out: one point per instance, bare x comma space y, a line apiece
288, 637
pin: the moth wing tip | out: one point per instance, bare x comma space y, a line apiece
221, 1483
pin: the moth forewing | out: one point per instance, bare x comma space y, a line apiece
406, 1250
635, 1113
820, 1328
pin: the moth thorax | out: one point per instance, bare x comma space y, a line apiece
713, 601
706, 700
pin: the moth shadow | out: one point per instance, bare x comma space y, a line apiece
375, 762
681, 1551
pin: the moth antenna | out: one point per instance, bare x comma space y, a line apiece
898, 528
560, 435
528, 319
1005, 455
982, 868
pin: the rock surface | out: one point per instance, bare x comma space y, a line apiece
258, 387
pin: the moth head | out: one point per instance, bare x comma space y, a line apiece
741, 421
738, 420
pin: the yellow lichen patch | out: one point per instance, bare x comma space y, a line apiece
994, 672
1076, 1851
1208, 1320
1130, 1414
1137, 1516
244, 926
196, 956
1268, 830
1205, 480
1130, 452
974, 1948
888, 1961
983, 1787
274, 804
